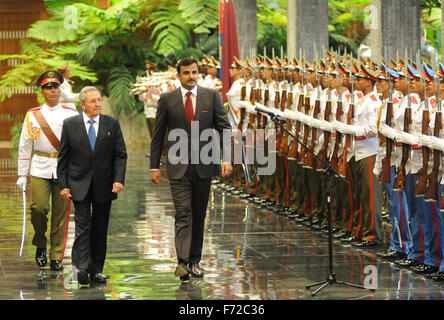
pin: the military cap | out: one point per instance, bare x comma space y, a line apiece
440, 71
341, 69
412, 72
277, 63
237, 64
205, 60
295, 64
383, 71
268, 62
150, 65
49, 78
427, 72
321, 68
332, 68
247, 64
366, 72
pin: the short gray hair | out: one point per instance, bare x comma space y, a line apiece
86, 89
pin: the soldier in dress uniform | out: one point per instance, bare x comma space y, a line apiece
39, 144
395, 200
67, 97
366, 191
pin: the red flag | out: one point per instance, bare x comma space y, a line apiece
228, 42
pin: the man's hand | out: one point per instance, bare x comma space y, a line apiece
66, 193
117, 187
226, 169
155, 176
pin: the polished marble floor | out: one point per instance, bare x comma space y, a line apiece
249, 253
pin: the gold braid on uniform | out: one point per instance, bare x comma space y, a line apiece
31, 135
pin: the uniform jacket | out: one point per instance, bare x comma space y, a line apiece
41, 167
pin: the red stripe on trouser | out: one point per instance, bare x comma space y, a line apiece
401, 219
351, 199
372, 225
421, 242
66, 228
421, 239
360, 221
288, 182
435, 224
311, 200
255, 186
268, 193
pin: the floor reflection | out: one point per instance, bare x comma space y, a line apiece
249, 253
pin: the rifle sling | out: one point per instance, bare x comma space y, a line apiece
55, 142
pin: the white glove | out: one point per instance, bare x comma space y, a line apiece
343, 128
436, 143
21, 183
423, 140
406, 138
289, 114
326, 126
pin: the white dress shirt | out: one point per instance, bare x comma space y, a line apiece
87, 124
193, 96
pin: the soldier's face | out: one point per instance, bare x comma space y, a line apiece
51, 95
401, 85
188, 76
92, 104
382, 86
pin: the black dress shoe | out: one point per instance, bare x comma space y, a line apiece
349, 240
438, 277
364, 244
340, 235
97, 277
40, 257
424, 269
391, 255
82, 276
181, 270
406, 263
195, 270
56, 265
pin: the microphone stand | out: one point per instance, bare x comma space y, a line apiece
329, 172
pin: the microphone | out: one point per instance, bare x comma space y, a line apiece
268, 112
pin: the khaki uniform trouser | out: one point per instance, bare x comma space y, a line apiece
367, 200
42, 191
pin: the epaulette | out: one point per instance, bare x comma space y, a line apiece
35, 109
413, 99
359, 95
66, 107
372, 96
395, 100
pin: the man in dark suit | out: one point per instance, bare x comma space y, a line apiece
187, 113
91, 170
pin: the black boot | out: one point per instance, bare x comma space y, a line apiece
40, 257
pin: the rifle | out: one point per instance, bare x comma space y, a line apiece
386, 164
286, 101
252, 100
293, 149
303, 152
276, 106
334, 161
342, 166
431, 194
399, 183
309, 159
323, 153
423, 177
243, 96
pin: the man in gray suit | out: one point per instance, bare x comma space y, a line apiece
189, 113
